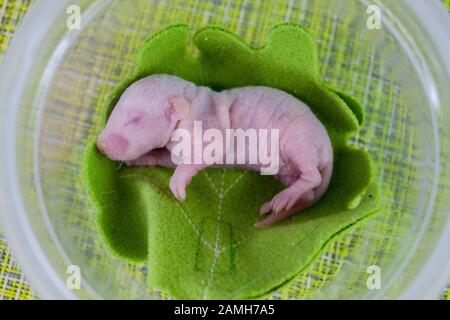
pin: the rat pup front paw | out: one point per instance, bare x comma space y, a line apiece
181, 178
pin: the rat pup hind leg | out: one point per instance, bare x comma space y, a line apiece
303, 203
303, 191
286, 199
304, 159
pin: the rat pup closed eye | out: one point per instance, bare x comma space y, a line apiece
140, 128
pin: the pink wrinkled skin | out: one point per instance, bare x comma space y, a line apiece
140, 127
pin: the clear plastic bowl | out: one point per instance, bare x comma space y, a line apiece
53, 81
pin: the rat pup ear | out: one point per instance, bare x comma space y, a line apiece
178, 108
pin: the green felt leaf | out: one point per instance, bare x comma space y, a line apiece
207, 247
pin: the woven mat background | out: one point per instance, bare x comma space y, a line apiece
13, 284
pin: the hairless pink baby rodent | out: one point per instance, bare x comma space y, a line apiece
140, 128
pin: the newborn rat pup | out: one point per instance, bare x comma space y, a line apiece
140, 128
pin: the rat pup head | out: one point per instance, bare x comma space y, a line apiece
143, 119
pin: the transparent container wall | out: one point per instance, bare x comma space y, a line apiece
406, 132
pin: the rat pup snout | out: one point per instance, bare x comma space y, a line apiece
114, 146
